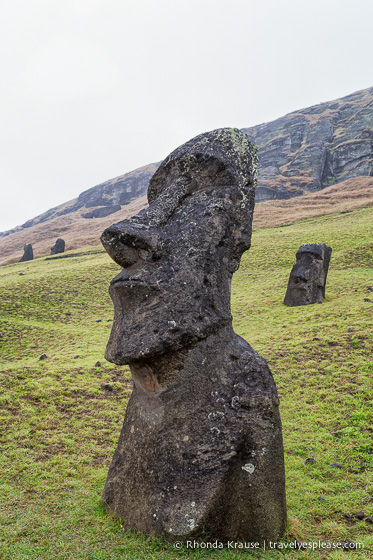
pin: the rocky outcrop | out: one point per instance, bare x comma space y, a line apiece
102, 212
104, 199
314, 148
264, 193
117, 192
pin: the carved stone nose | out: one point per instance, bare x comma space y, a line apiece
127, 243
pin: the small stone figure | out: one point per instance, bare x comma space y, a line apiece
28, 253
308, 275
200, 452
58, 247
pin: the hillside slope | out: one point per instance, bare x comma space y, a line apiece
99, 201
316, 147
79, 232
304, 151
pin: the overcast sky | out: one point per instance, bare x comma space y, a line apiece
91, 89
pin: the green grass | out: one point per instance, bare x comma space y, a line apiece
59, 427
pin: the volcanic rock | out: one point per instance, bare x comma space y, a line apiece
200, 450
107, 386
58, 247
102, 212
308, 275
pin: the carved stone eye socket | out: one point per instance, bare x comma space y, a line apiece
309, 256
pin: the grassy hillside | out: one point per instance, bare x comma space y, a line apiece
60, 426
344, 197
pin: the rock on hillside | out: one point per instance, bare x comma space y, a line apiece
314, 148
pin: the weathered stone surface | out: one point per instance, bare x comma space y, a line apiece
308, 275
200, 451
120, 190
28, 253
266, 193
58, 247
102, 212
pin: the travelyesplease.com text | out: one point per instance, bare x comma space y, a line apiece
270, 545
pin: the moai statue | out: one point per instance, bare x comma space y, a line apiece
58, 247
200, 451
308, 276
28, 253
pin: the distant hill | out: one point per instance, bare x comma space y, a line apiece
314, 148
79, 232
99, 201
303, 152
76, 230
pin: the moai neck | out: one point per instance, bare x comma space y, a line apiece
179, 367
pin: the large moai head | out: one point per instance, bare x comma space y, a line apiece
308, 275
178, 255
58, 247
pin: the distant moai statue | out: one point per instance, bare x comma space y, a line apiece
58, 247
200, 452
28, 253
308, 276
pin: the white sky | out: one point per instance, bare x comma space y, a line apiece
91, 89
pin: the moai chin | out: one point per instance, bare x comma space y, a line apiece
308, 276
200, 452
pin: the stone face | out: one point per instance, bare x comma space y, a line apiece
308, 275
200, 451
58, 247
28, 253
